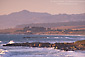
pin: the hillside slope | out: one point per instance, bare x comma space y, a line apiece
27, 17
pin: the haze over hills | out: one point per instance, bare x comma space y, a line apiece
52, 25
27, 17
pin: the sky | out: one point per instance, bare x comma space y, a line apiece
48, 6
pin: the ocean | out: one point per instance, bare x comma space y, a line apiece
23, 51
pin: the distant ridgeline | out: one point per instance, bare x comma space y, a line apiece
51, 25
49, 20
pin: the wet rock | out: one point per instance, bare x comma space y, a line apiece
61, 46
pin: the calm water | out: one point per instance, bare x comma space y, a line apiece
38, 52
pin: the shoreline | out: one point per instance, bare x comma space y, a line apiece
62, 34
48, 34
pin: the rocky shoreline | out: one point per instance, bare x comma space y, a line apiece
78, 45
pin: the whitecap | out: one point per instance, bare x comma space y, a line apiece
56, 37
66, 37
48, 37
11, 42
0, 41
70, 51
3, 51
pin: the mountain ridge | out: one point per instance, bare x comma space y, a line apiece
27, 17
51, 25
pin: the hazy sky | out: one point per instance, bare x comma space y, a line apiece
50, 6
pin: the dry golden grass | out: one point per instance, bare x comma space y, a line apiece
70, 27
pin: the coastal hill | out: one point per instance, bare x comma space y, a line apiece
27, 17
70, 25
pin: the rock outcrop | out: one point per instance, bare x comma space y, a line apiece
78, 45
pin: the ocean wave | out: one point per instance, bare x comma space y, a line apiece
0, 41
56, 37
40, 52
3, 53
75, 54
10, 42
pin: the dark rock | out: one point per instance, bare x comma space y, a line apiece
61, 46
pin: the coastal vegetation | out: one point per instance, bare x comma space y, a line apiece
43, 30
